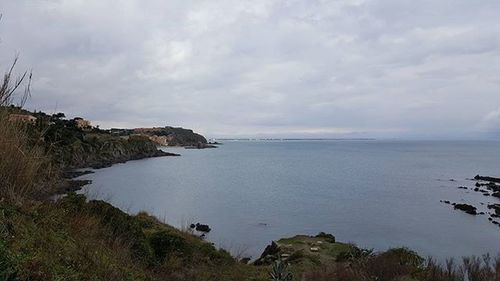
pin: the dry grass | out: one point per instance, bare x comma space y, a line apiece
24, 167
25, 170
402, 264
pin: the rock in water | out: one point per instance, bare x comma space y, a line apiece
469, 209
495, 207
202, 227
490, 179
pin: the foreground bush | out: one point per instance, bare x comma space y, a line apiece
405, 265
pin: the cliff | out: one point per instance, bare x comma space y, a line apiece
101, 150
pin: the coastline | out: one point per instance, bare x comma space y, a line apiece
196, 166
88, 234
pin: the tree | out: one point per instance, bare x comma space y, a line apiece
59, 115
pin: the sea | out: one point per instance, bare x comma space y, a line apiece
378, 194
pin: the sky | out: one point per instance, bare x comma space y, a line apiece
427, 69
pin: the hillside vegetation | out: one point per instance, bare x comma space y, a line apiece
70, 146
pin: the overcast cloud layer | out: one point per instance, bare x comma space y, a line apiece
360, 68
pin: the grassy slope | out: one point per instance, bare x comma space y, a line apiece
78, 240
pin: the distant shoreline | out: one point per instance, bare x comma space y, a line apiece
295, 139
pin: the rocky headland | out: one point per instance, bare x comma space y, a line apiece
164, 136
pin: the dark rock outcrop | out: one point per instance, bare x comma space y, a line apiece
490, 179
202, 227
495, 207
469, 209
270, 254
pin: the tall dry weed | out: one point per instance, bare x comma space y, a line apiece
25, 169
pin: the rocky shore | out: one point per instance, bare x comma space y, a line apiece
100, 151
489, 187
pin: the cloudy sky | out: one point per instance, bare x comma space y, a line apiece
311, 68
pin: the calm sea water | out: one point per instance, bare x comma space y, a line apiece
378, 194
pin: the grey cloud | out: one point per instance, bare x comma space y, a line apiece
387, 68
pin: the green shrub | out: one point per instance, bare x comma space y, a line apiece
164, 244
404, 256
216, 256
73, 202
354, 253
327, 236
8, 269
296, 256
122, 226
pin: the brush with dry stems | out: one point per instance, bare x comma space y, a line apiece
25, 169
